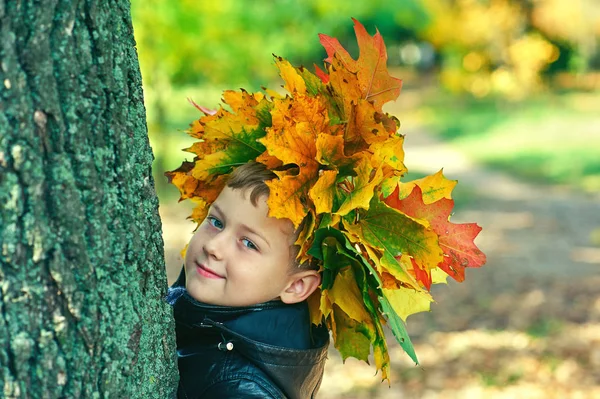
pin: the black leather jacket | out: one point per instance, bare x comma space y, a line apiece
263, 351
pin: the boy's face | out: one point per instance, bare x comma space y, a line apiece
239, 256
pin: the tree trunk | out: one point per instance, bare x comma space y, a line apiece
82, 272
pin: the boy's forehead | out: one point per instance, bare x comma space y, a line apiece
258, 212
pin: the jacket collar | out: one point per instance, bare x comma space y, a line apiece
273, 322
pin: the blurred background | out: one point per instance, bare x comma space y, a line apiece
502, 94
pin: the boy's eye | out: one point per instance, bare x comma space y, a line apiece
249, 244
216, 223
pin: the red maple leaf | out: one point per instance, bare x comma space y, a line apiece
456, 240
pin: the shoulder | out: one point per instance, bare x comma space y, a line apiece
212, 374
236, 385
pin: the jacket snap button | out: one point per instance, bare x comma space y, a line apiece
225, 346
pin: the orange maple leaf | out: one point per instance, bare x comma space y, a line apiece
375, 82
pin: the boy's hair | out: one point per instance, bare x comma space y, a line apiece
252, 176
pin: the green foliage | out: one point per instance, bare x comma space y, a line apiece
190, 43
550, 140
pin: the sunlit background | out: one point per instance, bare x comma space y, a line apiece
505, 96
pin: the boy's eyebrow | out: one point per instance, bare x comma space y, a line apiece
245, 227
255, 232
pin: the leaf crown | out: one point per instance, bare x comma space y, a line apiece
380, 242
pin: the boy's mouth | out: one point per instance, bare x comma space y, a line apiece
206, 272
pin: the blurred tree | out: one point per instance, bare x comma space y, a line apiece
231, 41
502, 47
574, 25
82, 273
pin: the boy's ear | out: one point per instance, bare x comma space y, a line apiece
301, 285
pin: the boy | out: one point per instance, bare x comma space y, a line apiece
243, 327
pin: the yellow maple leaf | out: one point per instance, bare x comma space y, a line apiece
389, 155
242, 102
368, 123
294, 83
438, 276
382, 359
325, 303
185, 182
433, 187
346, 295
288, 196
304, 239
323, 191
364, 187
330, 151
200, 209
316, 316
406, 301
345, 94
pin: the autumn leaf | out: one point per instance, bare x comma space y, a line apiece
191, 188
305, 237
229, 138
362, 187
368, 123
398, 328
433, 187
460, 251
314, 84
395, 323
182, 179
243, 103
200, 209
395, 233
350, 337
313, 301
321, 74
204, 110
351, 288
330, 151
346, 295
433, 214
344, 94
382, 358
294, 82
389, 185
375, 82
288, 196
323, 191
380, 349
389, 155
438, 276
455, 240
407, 301
325, 305
183, 252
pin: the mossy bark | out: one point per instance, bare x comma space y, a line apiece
82, 272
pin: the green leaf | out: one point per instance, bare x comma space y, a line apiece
395, 233
398, 329
351, 338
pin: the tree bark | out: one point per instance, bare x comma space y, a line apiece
82, 275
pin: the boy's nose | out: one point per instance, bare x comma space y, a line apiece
213, 247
